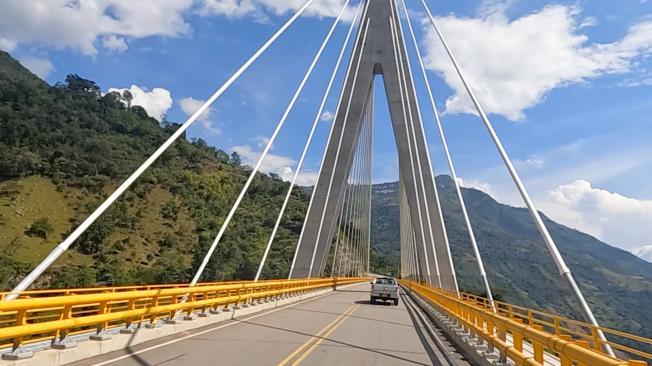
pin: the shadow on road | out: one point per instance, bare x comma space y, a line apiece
378, 303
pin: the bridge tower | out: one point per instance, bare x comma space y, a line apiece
379, 50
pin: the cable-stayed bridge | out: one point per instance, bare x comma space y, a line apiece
320, 313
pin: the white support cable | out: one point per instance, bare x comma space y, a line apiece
354, 205
360, 200
307, 145
451, 166
356, 220
343, 253
419, 275
406, 227
356, 212
403, 230
411, 239
354, 177
414, 180
401, 241
409, 234
368, 177
64, 245
409, 127
355, 202
449, 257
337, 153
262, 157
343, 221
363, 197
328, 89
370, 181
346, 230
347, 225
550, 243
337, 237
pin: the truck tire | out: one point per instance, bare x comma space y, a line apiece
373, 300
396, 302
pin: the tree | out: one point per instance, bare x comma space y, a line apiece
140, 111
77, 83
128, 97
92, 240
235, 159
170, 210
40, 228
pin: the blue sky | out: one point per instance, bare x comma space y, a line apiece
568, 85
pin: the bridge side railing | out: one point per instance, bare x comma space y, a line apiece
507, 329
38, 316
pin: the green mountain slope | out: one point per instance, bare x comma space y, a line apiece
64, 148
617, 284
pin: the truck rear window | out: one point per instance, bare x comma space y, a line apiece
385, 281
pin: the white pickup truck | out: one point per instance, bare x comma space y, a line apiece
385, 289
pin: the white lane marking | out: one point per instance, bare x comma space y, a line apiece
236, 321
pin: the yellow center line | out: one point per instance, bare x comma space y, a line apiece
314, 341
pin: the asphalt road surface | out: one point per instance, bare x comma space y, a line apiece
336, 329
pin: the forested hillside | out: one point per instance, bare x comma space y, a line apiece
63, 148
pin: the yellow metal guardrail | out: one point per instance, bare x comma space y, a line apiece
53, 314
572, 341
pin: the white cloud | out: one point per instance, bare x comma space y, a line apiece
644, 252
476, 184
114, 44
278, 164
513, 64
89, 25
156, 102
589, 22
533, 162
7, 45
327, 116
262, 141
490, 8
39, 66
190, 105
229, 8
307, 178
612, 217
78, 24
258, 8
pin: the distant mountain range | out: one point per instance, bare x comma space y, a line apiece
618, 284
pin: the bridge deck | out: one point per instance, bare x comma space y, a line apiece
339, 328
